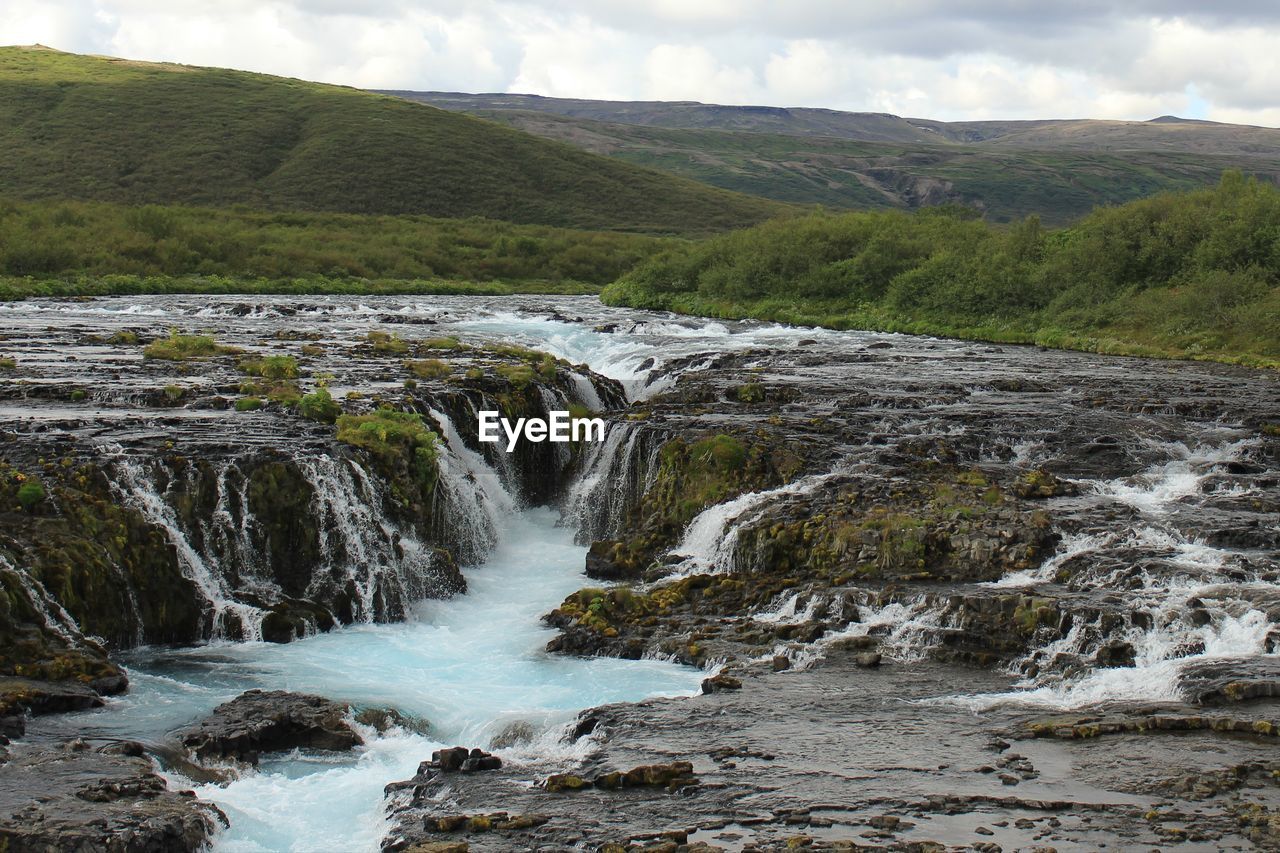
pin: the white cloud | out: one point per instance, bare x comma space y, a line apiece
948, 59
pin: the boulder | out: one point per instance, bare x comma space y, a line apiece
460, 759
270, 721
720, 682
71, 797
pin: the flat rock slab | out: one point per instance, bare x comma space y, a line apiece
72, 797
271, 721
22, 696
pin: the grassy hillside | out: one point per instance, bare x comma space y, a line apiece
1192, 275
1166, 133
92, 128
1059, 170
61, 239
1005, 184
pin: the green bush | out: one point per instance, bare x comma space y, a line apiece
319, 405
248, 404
30, 493
276, 367
395, 439
1191, 274
387, 343
178, 347
431, 368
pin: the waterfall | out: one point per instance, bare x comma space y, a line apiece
615, 474
476, 501
1191, 604
52, 614
709, 541
385, 566
136, 487
553, 400
587, 393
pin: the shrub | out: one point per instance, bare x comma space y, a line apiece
431, 368
248, 404
383, 342
395, 439
277, 367
8, 364
30, 493
519, 375
320, 406
179, 347
720, 452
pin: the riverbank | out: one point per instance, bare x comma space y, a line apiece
13, 289
1192, 275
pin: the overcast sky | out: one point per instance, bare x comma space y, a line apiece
946, 59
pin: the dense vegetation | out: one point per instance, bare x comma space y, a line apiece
47, 239
94, 128
1194, 274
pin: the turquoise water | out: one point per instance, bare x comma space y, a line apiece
470, 666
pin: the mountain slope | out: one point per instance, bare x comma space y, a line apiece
1057, 169
114, 130
1166, 133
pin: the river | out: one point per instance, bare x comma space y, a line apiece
1168, 515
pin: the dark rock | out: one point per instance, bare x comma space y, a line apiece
460, 759
672, 776
609, 561
1115, 654
20, 696
258, 721
71, 797
868, 660
780, 663
720, 682
385, 719
585, 726
515, 733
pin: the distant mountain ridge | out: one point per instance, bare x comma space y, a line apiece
1058, 169
1160, 134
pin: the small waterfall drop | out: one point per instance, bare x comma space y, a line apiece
476, 500
137, 487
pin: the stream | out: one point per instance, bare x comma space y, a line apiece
1169, 528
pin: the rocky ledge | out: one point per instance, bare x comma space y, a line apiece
270, 721
735, 770
96, 800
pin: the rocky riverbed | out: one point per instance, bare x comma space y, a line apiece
939, 593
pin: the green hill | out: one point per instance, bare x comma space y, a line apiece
95, 128
1192, 275
1059, 170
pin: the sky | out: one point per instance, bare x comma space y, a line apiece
940, 59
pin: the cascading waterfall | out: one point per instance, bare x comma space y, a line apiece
363, 549
136, 487
476, 500
52, 614
615, 473
1189, 605
587, 393
553, 400
711, 538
